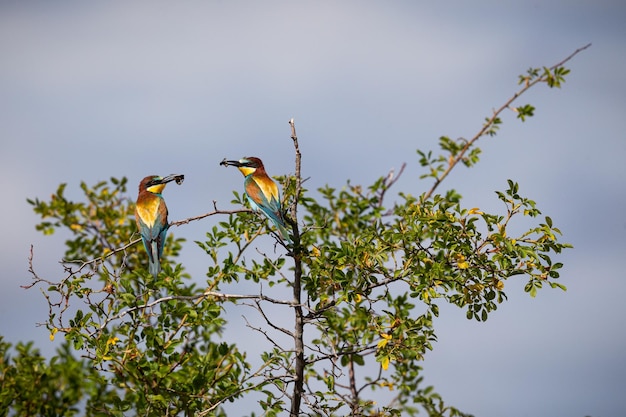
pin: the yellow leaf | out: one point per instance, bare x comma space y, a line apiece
499, 285
315, 251
461, 262
385, 339
386, 384
52, 333
475, 210
385, 363
112, 341
476, 287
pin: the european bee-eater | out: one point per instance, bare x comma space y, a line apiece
262, 191
151, 217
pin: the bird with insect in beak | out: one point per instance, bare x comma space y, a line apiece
262, 191
151, 217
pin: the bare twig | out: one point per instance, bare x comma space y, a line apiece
294, 137
389, 181
211, 213
270, 323
560, 64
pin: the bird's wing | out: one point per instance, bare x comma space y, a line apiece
264, 193
151, 218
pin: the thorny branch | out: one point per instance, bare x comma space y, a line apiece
491, 121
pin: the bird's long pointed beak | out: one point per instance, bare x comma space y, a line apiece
226, 163
179, 178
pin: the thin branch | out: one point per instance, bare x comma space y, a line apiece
195, 298
339, 352
263, 332
298, 193
254, 387
211, 213
389, 181
135, 241
101, 258
273, 263
572, 55
459, 157
270, 323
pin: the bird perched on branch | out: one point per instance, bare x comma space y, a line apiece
151, 217
262, 191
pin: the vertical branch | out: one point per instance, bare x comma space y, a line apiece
354, 406
298, 334
294, 206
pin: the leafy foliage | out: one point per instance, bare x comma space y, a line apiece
31, 386
367, 273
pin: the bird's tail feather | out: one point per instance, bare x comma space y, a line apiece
154, 263
282, 230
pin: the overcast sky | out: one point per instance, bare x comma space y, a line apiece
90, 90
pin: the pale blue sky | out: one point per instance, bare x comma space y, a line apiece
93, 90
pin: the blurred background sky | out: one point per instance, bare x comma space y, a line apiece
91, 90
